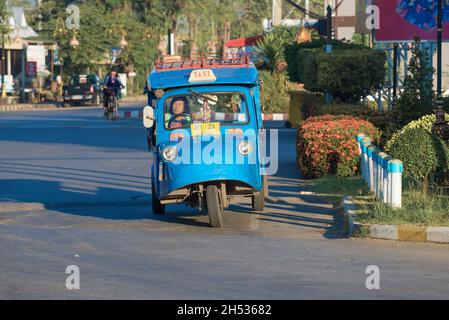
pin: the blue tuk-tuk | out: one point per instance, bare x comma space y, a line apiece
204, 129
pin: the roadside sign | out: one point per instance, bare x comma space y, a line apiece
31, 69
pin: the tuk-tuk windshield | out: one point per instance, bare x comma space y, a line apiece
228, 108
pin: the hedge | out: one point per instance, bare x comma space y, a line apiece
349, 75
421, 152
349, 72
326, 145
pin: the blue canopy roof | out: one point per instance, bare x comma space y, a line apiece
225, 75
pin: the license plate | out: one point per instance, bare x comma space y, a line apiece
77, 97
205, 129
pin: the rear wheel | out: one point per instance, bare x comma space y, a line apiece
156, 205
214, 209
258, 199
114, 107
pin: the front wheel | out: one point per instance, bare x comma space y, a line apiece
156, 205
213, 205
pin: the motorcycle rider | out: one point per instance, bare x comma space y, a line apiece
111, 82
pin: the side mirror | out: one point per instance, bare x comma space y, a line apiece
148, 117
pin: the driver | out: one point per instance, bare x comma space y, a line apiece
180, 113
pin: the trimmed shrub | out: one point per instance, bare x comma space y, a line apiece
326, 145
349, 75
425, 123
346, 73
421, 152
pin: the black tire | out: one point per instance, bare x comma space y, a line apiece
213, 207
258, 199
156, 205
266, 191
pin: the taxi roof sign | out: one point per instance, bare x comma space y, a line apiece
202, 75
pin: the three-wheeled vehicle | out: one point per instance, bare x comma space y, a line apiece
205, 132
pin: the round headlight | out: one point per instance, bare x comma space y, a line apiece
169, 153
245, 148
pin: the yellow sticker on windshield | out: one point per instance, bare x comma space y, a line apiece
195, 129
210, 129
205, 129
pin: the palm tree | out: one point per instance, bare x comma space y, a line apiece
270, 50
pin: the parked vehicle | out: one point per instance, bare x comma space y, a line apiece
83, 89
191, 104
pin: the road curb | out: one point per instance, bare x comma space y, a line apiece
390, 232
16, 107
30, 106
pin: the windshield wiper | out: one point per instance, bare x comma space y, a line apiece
201, 95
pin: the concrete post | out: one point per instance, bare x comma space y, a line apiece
365, 167
380, 174
369, 152
375, 171
396, 168
359, 139
386, 184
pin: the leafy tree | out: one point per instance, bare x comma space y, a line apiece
4, 27
418, 97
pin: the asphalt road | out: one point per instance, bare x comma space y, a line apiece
74, 190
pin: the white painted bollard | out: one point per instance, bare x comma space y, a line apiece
359, 139
369, 152
380, 175
396, 168
386, 182
375, 170
365, 166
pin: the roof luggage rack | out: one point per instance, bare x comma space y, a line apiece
171, 63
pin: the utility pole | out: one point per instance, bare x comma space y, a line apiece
440, 127
277, 13
3, 62
439, 48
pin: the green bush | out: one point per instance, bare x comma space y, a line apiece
421, 152
349, 75
294, 55
425, 122
307, 68
274, 92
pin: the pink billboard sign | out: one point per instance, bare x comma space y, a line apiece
403, 20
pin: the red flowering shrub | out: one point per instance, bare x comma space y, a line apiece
327, 145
